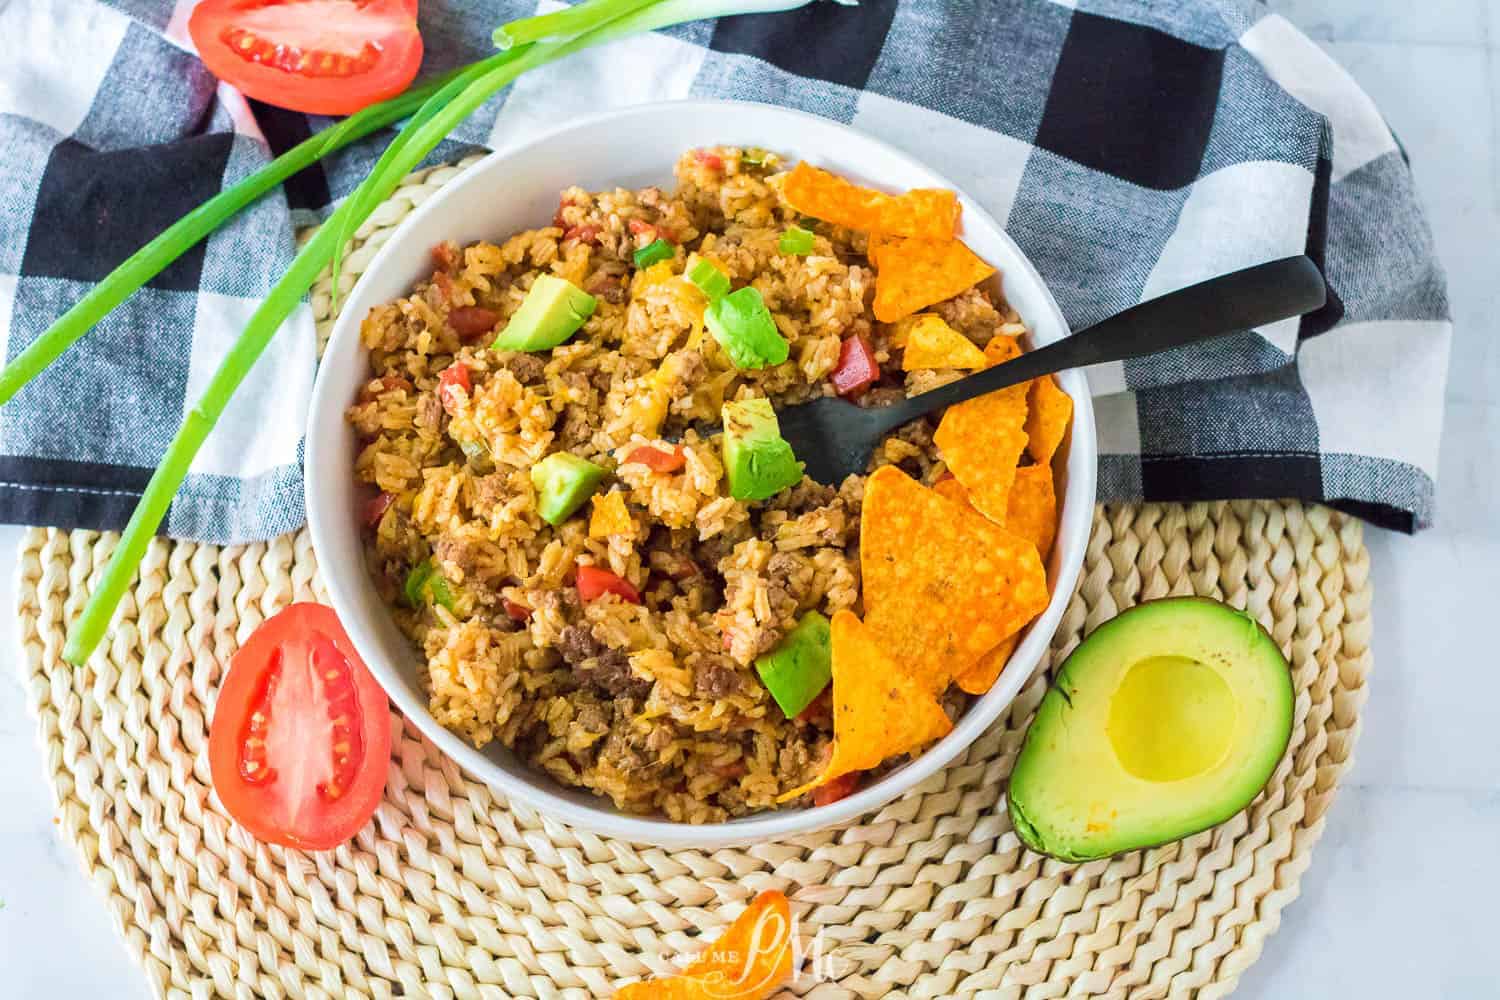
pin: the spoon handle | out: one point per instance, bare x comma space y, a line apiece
1227, 304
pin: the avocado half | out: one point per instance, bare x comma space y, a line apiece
1167, 720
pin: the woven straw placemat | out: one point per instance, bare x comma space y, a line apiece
453, 892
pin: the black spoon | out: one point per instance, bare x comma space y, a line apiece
835, 438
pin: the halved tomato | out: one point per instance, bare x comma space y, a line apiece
300, 740
326, 57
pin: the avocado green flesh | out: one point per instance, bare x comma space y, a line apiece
1165, 721
552, 312
563, 482
743, 326
757, 459
798, 670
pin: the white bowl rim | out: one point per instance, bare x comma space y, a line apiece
1073, 530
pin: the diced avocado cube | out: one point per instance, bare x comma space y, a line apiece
757, 459
743, 326
553, 311
797, 671
563, 482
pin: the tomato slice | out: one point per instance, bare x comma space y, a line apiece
326, 57
300, 741
594, 583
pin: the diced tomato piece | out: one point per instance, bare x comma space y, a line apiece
658, 460
857, 369
470, 322
584, 234
710, 160
445, 255
820, 709
639, 226
517, 612
841, 787
375, 508
444, 286
594, 583
454, 376
384, 383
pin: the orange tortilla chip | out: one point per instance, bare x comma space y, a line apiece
912, 274
939, 606
1002, 348
929, 213
610, 517
932, 343
880, 709
1047, 421
1032, 511
953, 490
980, 677
982, 440
749, 961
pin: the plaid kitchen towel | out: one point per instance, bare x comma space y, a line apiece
1129, 147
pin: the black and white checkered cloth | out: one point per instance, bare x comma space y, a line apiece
1129, 147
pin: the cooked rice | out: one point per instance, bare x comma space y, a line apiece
657, 706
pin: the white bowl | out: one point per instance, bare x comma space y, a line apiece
518, 189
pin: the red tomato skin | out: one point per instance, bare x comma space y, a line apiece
857, 369
454, 376
328, 825
472, 322
375, 508
658, 460
517, 612
399, 56
594, 583
841, 787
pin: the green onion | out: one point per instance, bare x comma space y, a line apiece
416, 580
796, 241
319, 251
754, 156
440, 592
562, 23
151, 259
654, 253
711, 281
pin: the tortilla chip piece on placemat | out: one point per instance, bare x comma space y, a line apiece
912, 274
1032, 511
929, 213
1047, 421
932, 343
880, 708
749, 961
942, 585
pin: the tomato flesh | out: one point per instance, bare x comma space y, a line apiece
594, 583
841, 787
455, 376
329, 57
857, 369
300, 743
658, 460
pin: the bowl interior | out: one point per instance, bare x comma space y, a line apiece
518, 189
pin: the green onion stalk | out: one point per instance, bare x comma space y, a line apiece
596, 21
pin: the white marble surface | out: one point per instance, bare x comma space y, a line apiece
1400, 899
